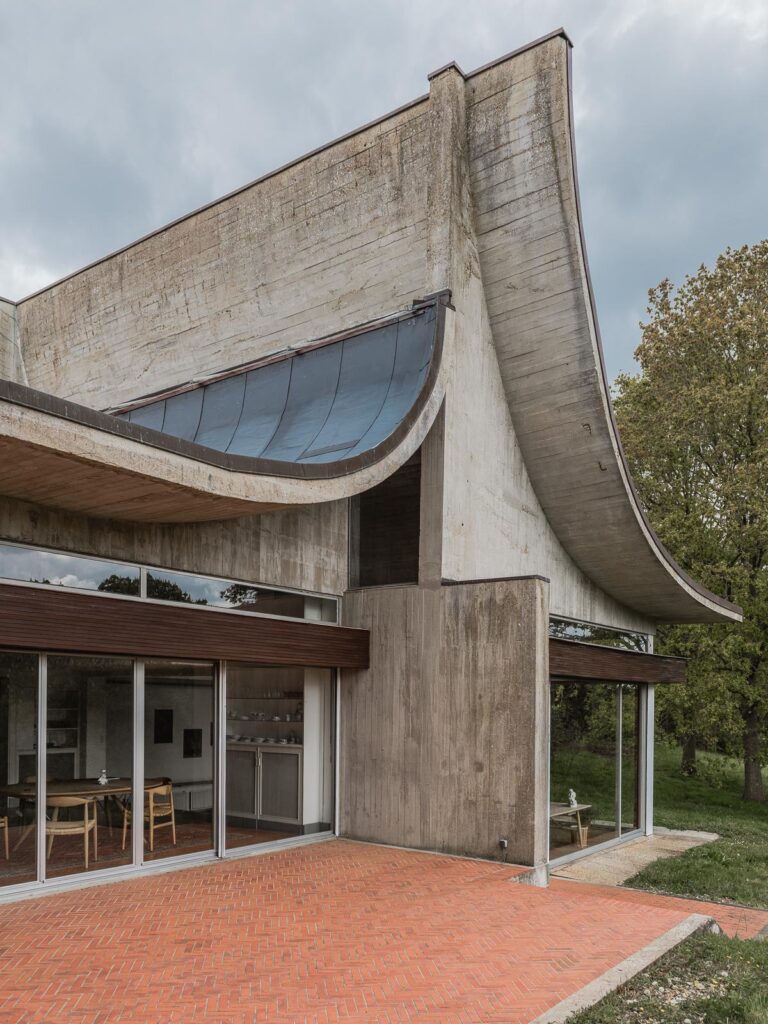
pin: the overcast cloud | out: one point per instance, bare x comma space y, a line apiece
117, 117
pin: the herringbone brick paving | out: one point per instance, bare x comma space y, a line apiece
334, 932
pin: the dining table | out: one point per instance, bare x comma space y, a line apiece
87, 788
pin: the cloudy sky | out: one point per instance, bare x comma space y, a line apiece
119, 116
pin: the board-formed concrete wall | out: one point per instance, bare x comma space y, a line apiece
305, 548
492, 522
326, 244
11, 367
445, 736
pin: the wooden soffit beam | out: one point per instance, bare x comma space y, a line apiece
590, 663
39, 618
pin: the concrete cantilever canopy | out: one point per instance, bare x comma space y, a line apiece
544, 325
317, 424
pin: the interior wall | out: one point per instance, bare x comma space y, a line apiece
326, 244
444, 737
192, 707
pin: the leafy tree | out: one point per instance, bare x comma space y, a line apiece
694, 423
115, 584
166, 590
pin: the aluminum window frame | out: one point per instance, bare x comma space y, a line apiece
645, 763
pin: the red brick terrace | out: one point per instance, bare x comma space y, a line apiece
336, 931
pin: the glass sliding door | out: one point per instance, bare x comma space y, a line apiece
279, 755
179, 758
594, 764
18, 767
584, 762
89, 764
630, 760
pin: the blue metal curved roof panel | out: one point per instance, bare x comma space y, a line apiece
331, 401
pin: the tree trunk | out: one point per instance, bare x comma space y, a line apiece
753, 775
688, 761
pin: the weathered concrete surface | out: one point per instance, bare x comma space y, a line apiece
11, 363
492, 522
612, 867
472, 189
305, 547
326, 244
445, 736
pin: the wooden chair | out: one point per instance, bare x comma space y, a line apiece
158, 804
4, 827
86, 826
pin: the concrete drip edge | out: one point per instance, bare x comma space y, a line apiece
623, 972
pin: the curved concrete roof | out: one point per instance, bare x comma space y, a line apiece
338, 424
544, 324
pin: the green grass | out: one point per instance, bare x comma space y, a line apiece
708, 979
735, 868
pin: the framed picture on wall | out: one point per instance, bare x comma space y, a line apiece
163, 725
193, 743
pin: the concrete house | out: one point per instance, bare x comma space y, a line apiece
314, 518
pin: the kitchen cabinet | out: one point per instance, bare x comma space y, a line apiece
265, 783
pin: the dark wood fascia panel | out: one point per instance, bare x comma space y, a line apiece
571, 660
52, 620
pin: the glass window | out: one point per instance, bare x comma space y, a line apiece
18, 767
179, 757
57, 568
30, 565
245, 597
594, 767
89, 764
630, 739
603, 636
279, 753
385, 530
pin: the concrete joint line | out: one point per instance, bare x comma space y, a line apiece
619, 975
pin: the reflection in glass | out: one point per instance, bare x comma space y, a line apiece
178, 758
279, 753
595, 731
246, 597
18, 767
602, 636
30, 565
89, 736
583, 760
630, 735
